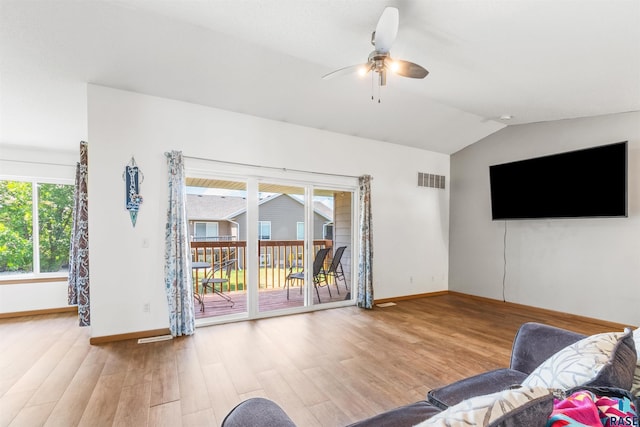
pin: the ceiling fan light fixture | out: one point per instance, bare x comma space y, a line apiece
362, 71
394, 66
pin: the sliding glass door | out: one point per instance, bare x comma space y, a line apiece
333, 218
216, 212
281, 246
268, 246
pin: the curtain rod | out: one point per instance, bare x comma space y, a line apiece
38, 163
269, 167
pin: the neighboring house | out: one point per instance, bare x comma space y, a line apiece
209, 217
281, 217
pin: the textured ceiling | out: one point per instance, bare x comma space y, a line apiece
533, 59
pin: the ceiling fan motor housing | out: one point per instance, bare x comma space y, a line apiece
377, 62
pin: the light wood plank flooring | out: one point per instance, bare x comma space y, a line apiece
326, 368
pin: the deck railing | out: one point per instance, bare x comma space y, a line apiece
276, 258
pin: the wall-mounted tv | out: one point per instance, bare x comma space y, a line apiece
585, 183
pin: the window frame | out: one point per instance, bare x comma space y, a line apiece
298, 235
260, 224
35, 276
206, 237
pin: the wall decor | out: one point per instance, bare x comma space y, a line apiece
132, 177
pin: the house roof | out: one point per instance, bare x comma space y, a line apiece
213, 208
532, 59
219, 208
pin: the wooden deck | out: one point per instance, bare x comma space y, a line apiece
268, 300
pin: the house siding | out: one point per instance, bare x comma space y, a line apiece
343, 205
283, 212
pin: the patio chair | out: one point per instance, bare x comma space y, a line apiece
335, 269
215, 283
318, 277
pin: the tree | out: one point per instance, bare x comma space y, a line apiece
55, 206
55, 210
16, 240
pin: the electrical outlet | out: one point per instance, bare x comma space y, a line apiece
410, 279
146, 307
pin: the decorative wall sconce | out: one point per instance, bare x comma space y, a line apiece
132, 177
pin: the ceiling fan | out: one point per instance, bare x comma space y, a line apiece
380, 60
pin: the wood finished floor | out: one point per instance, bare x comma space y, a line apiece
326, 368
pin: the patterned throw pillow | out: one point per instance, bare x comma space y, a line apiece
607, 359
635, 388
524, 406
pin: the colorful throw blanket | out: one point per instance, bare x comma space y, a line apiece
586, 409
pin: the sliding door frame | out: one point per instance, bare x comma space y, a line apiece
200, 168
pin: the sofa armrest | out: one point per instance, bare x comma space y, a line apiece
534, 343
405, 416
477, 385
257, 412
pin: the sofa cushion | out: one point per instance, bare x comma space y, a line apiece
405, 416
607, 359
523, 406
536, 342
485, 383
635, 388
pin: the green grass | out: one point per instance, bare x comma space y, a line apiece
269, 278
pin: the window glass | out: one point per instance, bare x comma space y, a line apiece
16, 227
205, 231
300, 230
264, 230
47, 251
55, 217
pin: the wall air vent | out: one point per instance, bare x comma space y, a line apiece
430, 180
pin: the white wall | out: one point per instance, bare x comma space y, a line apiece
410, 223
20, 162
589, 267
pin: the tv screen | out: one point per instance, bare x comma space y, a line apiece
576, 184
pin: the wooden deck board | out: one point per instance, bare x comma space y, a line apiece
268, 300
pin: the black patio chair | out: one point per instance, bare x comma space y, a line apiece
335, 269
318, 277
216, 283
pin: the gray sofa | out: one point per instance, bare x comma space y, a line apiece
533, 344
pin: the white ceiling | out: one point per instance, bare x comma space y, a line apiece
537, 60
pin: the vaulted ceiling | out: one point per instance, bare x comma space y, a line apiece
535, 60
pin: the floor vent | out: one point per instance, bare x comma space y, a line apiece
430, 180
155, 339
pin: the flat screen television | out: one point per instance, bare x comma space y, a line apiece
585, 183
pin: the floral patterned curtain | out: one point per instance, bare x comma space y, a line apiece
365, 258
177, 271
78, 289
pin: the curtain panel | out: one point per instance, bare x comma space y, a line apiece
177, 271
78, 289
365, 257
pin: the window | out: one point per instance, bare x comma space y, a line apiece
300, 230
264, 230
205, 231
35, 227
327, 231
265, 260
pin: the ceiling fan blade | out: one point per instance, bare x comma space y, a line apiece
359, 68
386, 30
408, 69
